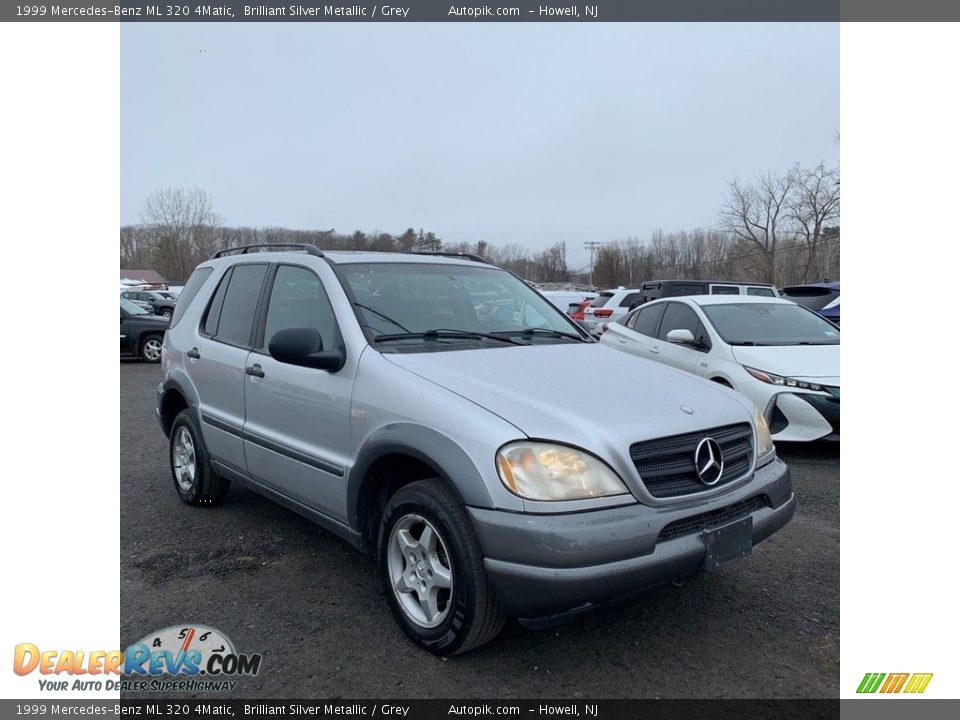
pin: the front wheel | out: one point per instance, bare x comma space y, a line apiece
431, 567
167, 313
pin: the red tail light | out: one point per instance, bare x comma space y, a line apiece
603, 312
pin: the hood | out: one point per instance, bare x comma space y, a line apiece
586, 395
796, 361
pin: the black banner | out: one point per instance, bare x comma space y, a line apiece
430, 709
481, 11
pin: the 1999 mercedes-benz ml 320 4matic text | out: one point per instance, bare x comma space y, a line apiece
415, 405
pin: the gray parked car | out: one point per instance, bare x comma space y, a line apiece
415, 406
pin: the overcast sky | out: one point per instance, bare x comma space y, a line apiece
527, 133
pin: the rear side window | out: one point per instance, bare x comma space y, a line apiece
686, 289
646, 320
761, 291
239, 304
189, 292
630, 299
724, 290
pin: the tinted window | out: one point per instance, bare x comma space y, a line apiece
814, 298
297, 300
189, 292
212, 319
724, 290
240, 304
601, 300
677, 316
646, 320
761, 291
630, 299
770, 324
678, 289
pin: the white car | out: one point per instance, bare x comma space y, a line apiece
609, 306
782, 356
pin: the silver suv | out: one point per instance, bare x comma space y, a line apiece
421, 408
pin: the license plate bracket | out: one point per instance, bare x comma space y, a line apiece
727, 542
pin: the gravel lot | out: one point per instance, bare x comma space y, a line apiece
765, 626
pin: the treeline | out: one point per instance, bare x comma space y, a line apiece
781, 228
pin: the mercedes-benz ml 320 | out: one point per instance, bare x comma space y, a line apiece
421, 408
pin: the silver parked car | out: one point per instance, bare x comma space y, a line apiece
414, 406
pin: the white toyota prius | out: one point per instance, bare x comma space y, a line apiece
782, 356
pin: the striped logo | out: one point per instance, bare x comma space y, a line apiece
894, 682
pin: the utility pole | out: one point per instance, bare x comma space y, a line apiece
592, 246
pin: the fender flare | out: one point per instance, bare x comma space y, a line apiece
184, 387
430, 447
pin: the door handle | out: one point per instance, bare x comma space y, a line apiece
193, 353
256, 371
622, 341
655, 350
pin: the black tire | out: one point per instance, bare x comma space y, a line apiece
207, 487
150, 348
166, 312
721, 381
474, 617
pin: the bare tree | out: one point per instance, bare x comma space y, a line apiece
759, 216
184, 226
814, 206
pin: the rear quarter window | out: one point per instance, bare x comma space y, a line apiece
189, 292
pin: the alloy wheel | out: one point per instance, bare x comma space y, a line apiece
421, 573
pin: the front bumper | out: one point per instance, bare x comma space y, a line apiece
542, 565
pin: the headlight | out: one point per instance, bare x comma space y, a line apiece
764, 440
770, 378
544, 471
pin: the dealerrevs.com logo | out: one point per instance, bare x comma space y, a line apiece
909, 683
185, 658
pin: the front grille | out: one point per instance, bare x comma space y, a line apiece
667, 468
714, 518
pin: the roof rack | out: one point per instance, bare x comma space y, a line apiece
467, 256
245, 249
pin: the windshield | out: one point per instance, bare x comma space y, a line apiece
397, 301
132, 308
770, 324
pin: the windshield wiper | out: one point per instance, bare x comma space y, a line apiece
544, 332
445, 333
380, 314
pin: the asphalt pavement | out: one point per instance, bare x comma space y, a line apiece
764, 626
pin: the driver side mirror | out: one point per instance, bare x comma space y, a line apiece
681, 336
304, 347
